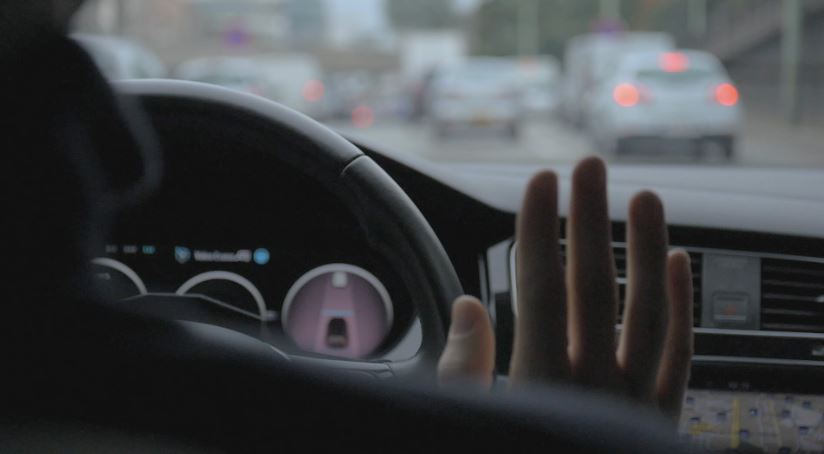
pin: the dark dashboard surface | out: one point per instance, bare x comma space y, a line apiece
711, 197
249, 218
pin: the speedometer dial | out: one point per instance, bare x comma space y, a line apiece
339, 310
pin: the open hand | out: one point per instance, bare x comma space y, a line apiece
565, 329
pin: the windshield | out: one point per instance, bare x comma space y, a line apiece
675, 82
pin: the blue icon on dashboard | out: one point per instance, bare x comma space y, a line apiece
182, 254
261, 256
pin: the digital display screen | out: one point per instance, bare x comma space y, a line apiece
722, 421
336, 309
243, 277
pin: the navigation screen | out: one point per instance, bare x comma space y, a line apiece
752, 422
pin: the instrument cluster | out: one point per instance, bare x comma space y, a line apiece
336, 309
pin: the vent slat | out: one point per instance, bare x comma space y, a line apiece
794, 312
796, 284
781, 297
620, 255
792, 295
793, 271
817, 328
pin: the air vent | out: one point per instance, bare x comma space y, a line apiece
620, 253
792, 295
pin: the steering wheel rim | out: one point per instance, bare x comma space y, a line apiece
389, 218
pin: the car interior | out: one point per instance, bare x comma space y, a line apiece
194, 268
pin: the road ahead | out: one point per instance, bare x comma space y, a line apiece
763, 143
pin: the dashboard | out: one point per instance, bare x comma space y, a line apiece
225, 242
759, 350
756, 241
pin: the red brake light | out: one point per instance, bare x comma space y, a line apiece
726, 95
673, 62
363, 116
313, 90
626, 95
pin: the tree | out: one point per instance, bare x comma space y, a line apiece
494, 26
494, 29
421, 14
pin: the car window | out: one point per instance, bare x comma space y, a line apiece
657, 76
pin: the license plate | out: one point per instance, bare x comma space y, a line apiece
679, 132
481, 119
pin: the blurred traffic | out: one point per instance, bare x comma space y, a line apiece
608, 84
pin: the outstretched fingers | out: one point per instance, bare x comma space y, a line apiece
646, 310
469, 355
565, 324
540, 344
593, 294
673, 372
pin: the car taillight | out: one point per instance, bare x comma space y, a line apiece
726, 95
313, 91
673, 62
363, 116
626, 95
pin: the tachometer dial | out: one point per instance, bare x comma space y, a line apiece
230, 290
339, 310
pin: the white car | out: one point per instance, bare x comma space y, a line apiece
590, 58
677, 96
481, 92
539, 79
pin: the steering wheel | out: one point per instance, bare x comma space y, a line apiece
389, 219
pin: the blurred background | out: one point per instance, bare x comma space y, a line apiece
690, 82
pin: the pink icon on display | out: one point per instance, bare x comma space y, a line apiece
338, 310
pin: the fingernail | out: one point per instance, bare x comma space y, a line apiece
462, 323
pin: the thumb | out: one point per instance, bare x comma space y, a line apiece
469, 356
